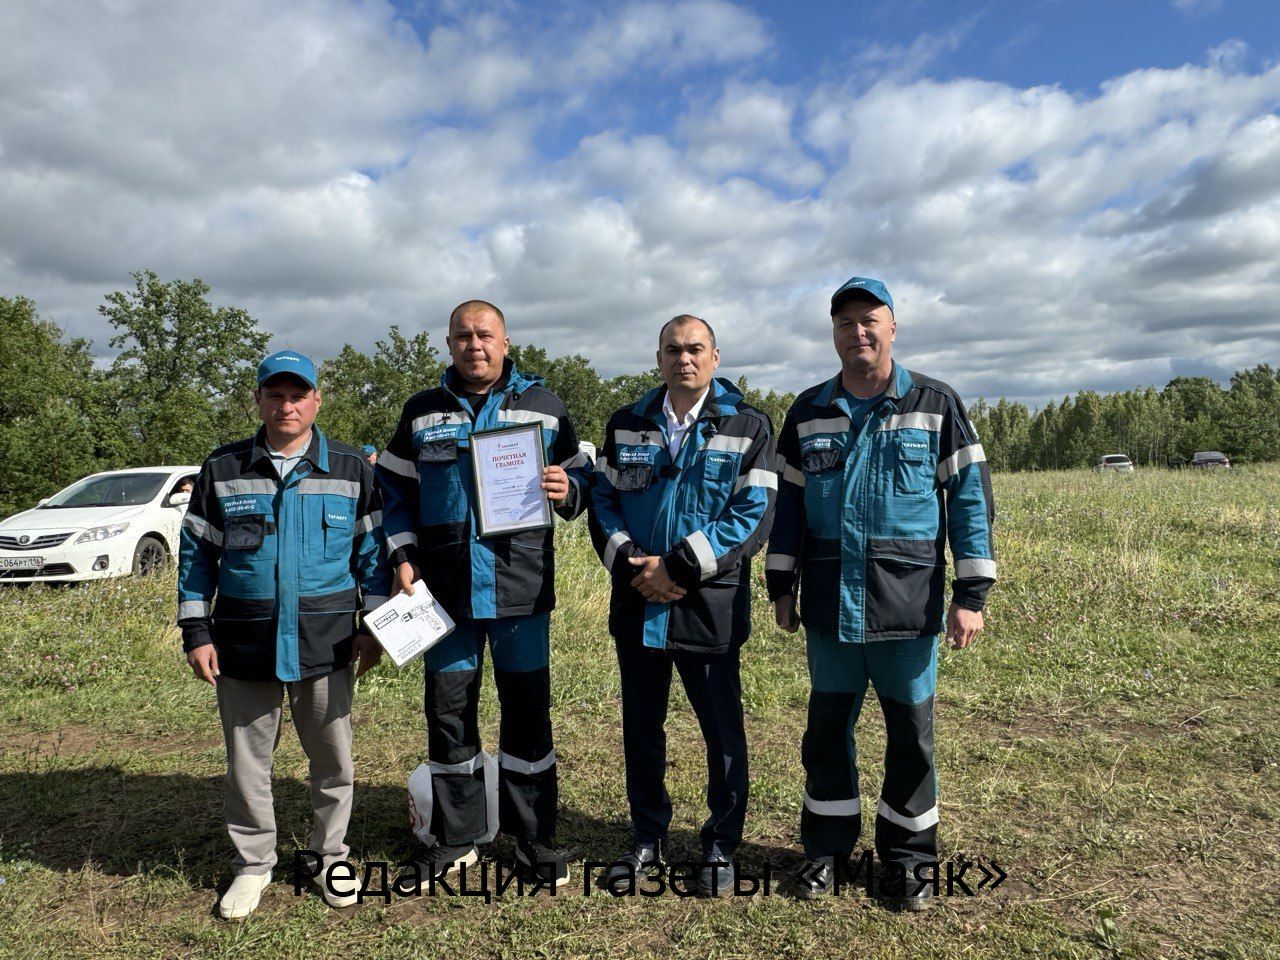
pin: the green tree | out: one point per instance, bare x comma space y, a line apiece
46, 382
184, 377
363, 395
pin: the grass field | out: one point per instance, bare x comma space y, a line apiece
1111, 741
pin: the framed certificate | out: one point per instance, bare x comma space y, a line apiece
507, 465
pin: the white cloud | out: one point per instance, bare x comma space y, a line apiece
1198, 7
334, 172
667, 37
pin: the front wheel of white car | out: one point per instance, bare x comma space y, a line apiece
149, 557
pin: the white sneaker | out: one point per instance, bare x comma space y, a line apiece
242, 897
346, 887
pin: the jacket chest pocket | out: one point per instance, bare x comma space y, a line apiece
439, 454
245, 533
339, 525
823, 483
634, 477
711, 484
914, 465
438, 463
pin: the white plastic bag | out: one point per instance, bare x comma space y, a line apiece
421, 797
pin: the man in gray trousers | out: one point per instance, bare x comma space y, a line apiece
285, 530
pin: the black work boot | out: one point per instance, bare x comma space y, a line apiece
543, 863
717, 876
633, 864
817, 878
439, 861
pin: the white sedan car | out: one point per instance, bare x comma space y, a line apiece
106, 525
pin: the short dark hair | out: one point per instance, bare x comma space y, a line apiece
687, 318
468, 306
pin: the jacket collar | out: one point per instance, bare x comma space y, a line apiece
722, 400
512, 381
317, 452
900, 384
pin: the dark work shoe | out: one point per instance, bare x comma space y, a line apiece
816, 878
543, 863
913, 901
717, 876
633, 864
439, 861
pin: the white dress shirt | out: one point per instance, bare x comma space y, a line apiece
676, 429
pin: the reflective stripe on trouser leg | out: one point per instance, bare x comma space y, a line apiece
453, 743
907, 815
905, 674
528, 790
831, 820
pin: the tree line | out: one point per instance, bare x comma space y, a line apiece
182, 377
1153, 427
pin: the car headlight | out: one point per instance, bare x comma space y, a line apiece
94, 534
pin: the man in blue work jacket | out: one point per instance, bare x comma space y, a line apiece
879, 469
281, 546
684, 495
497, 588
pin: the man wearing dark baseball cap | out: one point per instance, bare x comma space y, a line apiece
281, 545
879, 468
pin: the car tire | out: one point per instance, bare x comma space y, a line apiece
149, 556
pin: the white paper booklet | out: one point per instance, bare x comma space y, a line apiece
406, 625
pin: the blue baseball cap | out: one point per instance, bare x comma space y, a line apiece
368, 449
864, 285
287, 361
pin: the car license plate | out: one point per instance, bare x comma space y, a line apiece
21, 563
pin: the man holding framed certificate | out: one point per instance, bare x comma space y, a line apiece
469, 480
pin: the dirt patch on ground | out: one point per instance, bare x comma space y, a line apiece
82, 740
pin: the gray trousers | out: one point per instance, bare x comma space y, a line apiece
250, 711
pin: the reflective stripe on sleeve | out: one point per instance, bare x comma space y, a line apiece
959, 460
757, 478
702, 551
202, 528
397, 465
613, 546
975, 567
193, 609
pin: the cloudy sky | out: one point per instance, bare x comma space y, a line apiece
1061, 195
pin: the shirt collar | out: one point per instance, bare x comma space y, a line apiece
316, 452
689, 417
900, 384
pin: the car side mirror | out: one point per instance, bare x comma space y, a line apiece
179, 499
43, 502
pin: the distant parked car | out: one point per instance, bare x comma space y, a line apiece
107, 525
1208, 459
1114, 463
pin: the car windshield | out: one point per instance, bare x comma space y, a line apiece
1114, 458
112, 490
1208, 455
